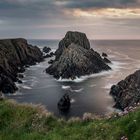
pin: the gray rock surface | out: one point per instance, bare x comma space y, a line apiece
127, 92
75, 58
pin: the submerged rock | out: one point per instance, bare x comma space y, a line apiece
127, 92
75, 58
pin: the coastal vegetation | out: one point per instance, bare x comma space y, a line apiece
33, 122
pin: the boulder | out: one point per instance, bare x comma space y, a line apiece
75, 58
104, 55
50, 61
46, 49
127, 92
64, 103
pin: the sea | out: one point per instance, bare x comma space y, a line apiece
90, 93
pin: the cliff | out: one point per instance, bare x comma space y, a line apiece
14, 55
127, 92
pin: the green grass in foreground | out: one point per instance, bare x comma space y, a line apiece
23, 122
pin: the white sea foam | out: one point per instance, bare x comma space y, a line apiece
108, 86
78, 90
72, 100
26, 87
83, 78
66, 87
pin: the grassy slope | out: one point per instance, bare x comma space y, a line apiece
23, 122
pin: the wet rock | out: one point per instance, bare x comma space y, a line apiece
20, 82
7, 85
20, 75
64, 103
104, 55
127, 92
46, 49
74, 58
50, 61
106, 60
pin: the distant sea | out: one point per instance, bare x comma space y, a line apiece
89, 93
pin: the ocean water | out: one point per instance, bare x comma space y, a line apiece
88, 93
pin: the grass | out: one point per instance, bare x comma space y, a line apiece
26, 122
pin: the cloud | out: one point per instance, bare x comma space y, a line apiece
52, 18
84, 4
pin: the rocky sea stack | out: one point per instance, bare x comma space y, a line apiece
15, 54
127, 92
75, 58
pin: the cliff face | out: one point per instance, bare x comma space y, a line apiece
14, 54
74, 58
127, 92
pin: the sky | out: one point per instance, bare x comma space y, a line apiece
51, 19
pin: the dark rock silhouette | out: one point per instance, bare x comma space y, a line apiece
50, 61
14, 55
127, 92
46, 49
75, 58
106, 60
64, 103
104, 55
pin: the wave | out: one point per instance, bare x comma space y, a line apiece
66, 87
72, 100
77, 90
83, 78
108, 86
26, 87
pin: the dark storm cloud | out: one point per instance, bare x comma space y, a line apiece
49, 18
100, 3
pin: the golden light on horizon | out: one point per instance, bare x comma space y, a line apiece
107, 12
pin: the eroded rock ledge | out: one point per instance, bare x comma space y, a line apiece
75, 58
127, 92
14, 55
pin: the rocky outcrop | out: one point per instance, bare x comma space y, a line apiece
75, 58
64, 103
46, 49
14, 55
127, 92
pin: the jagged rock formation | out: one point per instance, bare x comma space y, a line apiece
46, 49
75, 58
127, 92
14, 55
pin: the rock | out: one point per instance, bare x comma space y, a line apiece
20, 75
51, 61
64, 103
20, 82
127, 92
74, 58
104, 55
52, 54
14, 55
106, 60
7, 85
47, 56
46, 49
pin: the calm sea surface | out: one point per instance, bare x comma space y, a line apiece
88, 93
